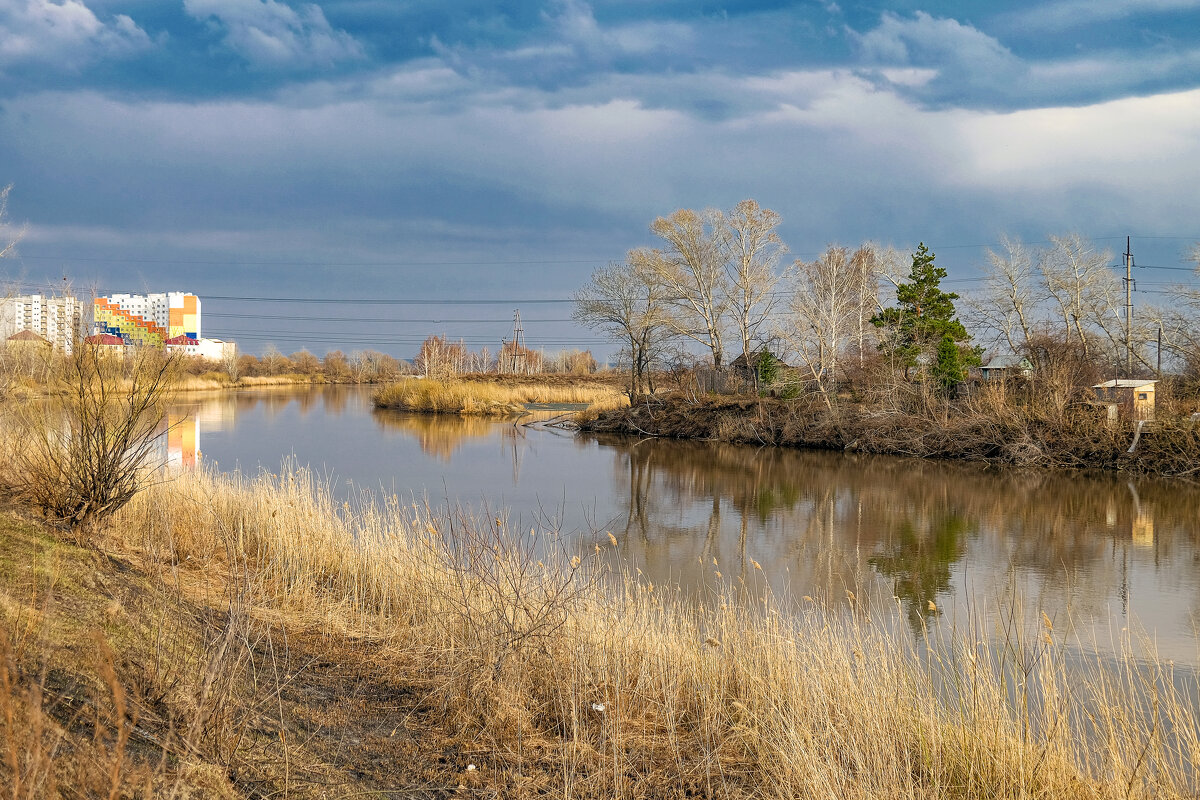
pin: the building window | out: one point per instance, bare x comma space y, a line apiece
1141, 395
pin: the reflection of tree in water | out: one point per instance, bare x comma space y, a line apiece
830, 520
334, 398
438, 435
918, 559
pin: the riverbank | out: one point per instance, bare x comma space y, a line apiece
253, 637
999, 435
496, 396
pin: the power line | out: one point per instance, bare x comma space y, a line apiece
1153, 266
381, 302
316, 264
314, 318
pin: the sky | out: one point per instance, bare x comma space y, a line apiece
413, 155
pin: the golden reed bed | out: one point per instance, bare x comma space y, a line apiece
486, 398
614, 687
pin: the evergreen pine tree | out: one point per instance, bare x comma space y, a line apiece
924, 318
948, 369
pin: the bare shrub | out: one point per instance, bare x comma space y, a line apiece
1064, 372
85, 452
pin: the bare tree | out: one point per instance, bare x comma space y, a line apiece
229, 360
691, 270
827, 298
1006, 311
866, 269
439, 358
8, 235
1081, 284
630, 305
1181, 322
751, 266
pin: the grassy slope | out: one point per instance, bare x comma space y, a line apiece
79, 627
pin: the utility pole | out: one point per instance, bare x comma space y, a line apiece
518, 340
1128, 309
1159, 376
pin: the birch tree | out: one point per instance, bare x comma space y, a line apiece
691, 272
825, 301
866, 267
1081, 284
754, 250
1006, 310
631, 305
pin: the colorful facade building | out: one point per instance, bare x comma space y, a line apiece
148, 319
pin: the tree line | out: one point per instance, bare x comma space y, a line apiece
719, 278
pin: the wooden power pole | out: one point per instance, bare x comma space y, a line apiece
1128, 309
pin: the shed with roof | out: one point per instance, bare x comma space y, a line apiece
1001, 367
1129, 397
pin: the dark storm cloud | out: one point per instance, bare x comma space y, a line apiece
143, 137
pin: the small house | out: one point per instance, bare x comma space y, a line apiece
1000, 367
107, 344
182, 344
1132, 398
28, 341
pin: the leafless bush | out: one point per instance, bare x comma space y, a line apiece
85, 452
508, 603
1063, 372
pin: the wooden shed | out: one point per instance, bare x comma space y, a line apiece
1131, 398
1001, 367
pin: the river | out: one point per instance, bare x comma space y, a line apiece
1102, 556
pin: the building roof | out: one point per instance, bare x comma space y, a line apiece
1124, 383
1008, 362
27, 336
181, 339
105, 338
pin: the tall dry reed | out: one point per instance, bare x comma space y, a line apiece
482, 398
628, 690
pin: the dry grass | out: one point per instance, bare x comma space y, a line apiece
486, 398
571, 684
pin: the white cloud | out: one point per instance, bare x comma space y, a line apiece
962, 54
64, 34
272, 34
576, 24
1072, 13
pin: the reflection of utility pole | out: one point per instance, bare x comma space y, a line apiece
514, 432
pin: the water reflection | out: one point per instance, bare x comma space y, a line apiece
935, 536
943, 539
438, 435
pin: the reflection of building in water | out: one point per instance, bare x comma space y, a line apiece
1143, 529
179, 442
215, 413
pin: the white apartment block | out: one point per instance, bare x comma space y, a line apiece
56, 319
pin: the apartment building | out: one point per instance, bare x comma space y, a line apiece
56, 319
148, 319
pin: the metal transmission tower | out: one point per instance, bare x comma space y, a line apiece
517, 360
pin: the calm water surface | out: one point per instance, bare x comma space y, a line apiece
1101, 556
